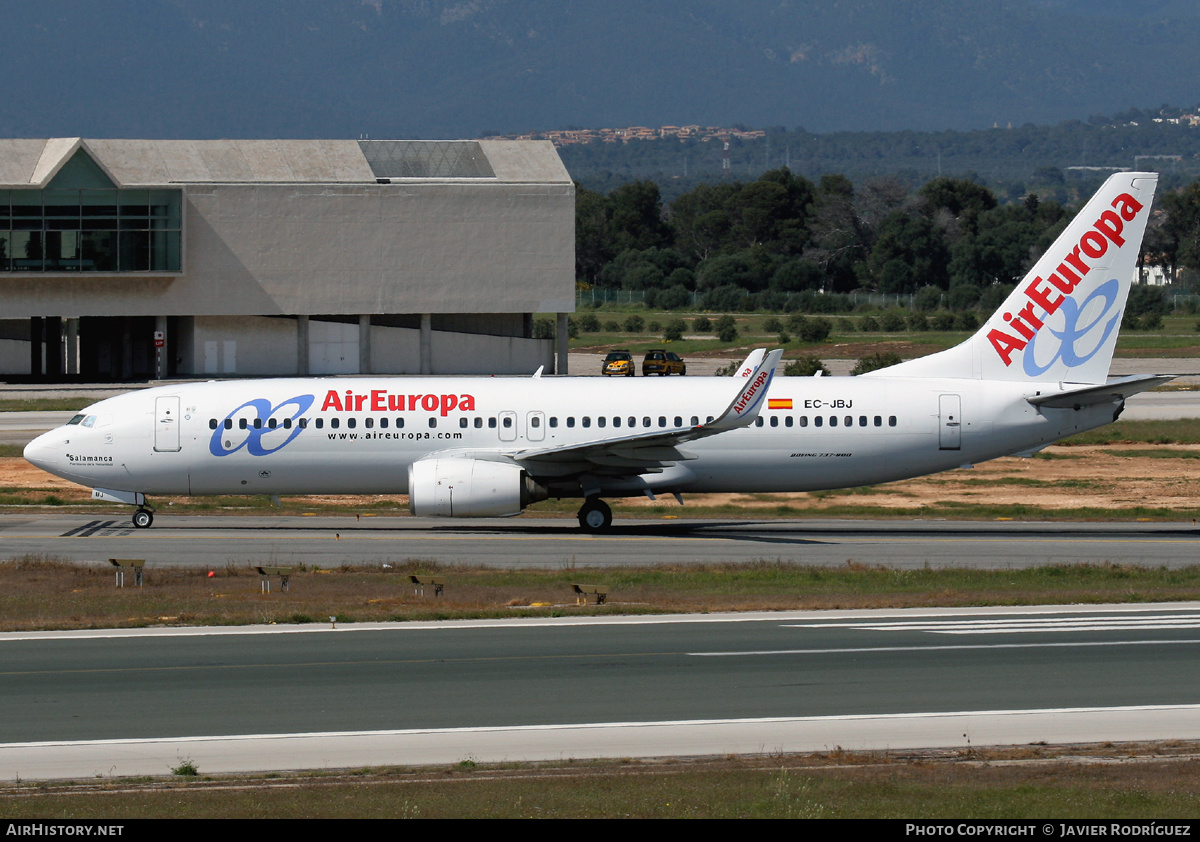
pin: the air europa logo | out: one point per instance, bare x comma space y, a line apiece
1073, 333
258, 430
1050, 294
747, 396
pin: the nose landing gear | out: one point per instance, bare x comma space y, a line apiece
143, 517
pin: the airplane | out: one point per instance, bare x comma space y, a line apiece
1035, 372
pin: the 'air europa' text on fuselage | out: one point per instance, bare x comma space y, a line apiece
381, 400
1042, 293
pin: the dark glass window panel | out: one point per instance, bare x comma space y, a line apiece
26, 210
164, 251
164, 209
26, 251
98, 251
135, 209
134, 251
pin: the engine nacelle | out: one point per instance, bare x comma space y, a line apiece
469, 488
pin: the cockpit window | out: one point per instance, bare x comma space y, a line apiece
76, 419
89, 421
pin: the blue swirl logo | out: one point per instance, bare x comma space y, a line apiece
258, 427
1072, 332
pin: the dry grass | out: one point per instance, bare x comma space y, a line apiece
45, 593
1149, 781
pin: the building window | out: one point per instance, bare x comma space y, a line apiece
82, 222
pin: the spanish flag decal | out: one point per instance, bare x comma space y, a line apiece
779, 403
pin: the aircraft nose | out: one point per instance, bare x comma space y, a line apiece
41, 451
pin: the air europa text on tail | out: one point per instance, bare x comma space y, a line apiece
1045, 294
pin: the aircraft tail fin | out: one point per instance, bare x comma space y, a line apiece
1061, 322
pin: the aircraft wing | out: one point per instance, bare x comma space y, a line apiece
1114, 390
654, 450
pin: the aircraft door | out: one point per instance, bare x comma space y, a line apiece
949, 422
535, 426
166, 424
508, 425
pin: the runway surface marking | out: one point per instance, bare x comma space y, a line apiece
112, 529
1024, 626
863, 650
585, 726
786, 619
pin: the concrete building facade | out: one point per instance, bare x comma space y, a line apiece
136, 259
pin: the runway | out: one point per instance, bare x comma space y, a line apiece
214, 541
134, 702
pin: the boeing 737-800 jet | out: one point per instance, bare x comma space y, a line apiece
487, 447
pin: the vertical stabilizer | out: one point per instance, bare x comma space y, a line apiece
1062, 320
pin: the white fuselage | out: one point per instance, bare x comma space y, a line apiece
360, 435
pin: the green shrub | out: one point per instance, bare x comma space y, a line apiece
873, 362
805, 367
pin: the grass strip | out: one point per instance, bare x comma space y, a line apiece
1032, 783
44, 593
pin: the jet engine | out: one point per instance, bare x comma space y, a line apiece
469, 488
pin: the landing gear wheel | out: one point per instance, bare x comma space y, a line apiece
142, 518
595, 515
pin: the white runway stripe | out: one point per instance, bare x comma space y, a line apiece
1023, 625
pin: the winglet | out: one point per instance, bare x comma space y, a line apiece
752, 394
751, 362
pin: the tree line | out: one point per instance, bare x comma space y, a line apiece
780, 241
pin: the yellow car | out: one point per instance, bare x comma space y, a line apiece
662, 363
618, 362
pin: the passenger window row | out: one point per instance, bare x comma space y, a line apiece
507, 421
820, 421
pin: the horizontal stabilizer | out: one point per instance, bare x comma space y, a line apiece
1114, 390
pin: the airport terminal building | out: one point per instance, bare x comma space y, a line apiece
139, 259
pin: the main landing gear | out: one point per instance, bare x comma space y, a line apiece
143, 517
595, 515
